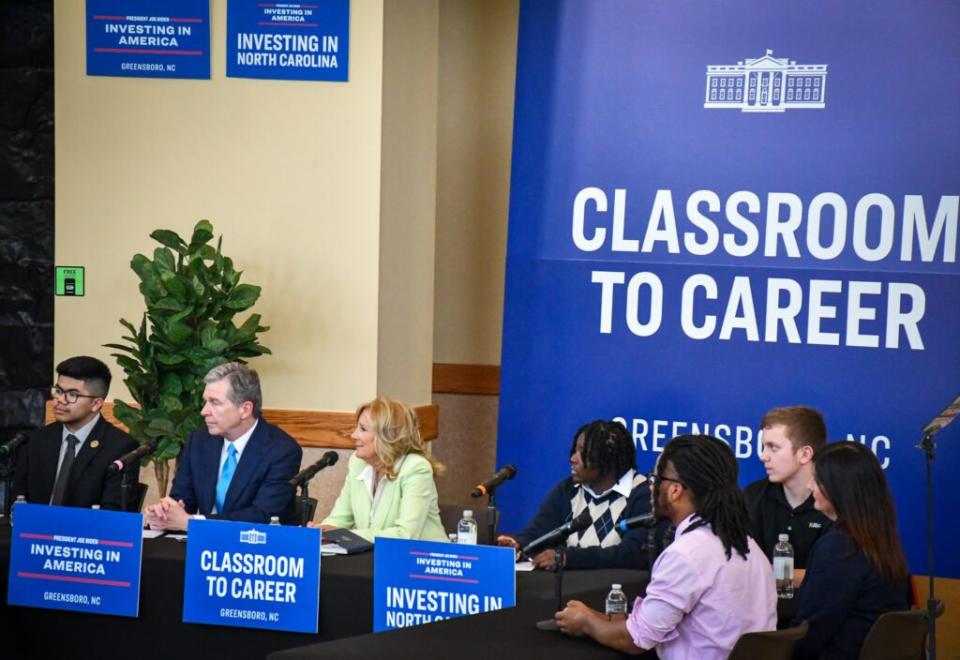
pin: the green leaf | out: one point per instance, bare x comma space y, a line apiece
169, 238
126, 413
168, 305
128, 364
171, 360
202, 233
158, 427
243, 297
175, 284
179, 333
163, 259
170, 384
168, 448
142, 266
170, 404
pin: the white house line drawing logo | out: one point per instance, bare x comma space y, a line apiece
253, 536
766, 84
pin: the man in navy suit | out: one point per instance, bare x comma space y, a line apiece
239, 467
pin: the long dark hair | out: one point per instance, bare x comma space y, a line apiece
606, 446
850, 477
707, 468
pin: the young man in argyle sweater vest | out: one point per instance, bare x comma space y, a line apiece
604, 480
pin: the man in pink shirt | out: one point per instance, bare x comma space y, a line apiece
712, 584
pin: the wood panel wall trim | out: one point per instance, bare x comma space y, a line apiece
311, 428
451, 378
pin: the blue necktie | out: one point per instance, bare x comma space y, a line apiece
226, 474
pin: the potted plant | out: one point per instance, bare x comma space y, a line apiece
192, 294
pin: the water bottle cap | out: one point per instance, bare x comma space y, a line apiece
783, 538
616, 586
468, 513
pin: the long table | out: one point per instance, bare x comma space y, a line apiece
346, 609
502, 634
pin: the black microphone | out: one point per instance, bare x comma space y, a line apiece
487, 487
556, 536
131, 456
10, 447
306, 474
647, 520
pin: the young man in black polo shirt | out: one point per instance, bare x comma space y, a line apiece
782, 503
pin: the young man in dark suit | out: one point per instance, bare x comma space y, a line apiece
65, 463
239, 466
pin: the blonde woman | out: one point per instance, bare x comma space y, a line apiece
389, 489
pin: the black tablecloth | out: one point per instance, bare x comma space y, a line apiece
502, 635
346, 609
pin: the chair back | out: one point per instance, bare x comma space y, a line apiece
141, 495
898, 635
772, 645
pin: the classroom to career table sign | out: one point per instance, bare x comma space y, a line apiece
68, 558
252, 575
289, 40
148, 38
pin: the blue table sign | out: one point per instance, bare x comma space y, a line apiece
288, 41
418, 582
252, 575
148, 38
67, 558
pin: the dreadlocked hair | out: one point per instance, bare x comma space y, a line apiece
706, 466
606, 446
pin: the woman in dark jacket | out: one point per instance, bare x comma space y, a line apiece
857, 571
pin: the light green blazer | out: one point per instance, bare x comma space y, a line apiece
407, 508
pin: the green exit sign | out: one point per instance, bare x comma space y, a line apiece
69, 281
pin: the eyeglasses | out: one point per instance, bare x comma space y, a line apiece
653, 477
71, 396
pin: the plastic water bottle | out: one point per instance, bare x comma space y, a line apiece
21, 499
467, 529
274, 520
783, 566
616, 606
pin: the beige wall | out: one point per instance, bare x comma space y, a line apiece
289, 172
360, 208
478, 45
408, 196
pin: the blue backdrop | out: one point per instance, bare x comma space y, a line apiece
719, 208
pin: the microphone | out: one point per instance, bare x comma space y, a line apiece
647, 521
131, 456
10, 447
554, 537
490, 485
306, 474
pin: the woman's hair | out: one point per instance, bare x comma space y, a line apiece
397, 433
606, 446
707, 468
850, 476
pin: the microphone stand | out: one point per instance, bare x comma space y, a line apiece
928, 447
126, 486
6, 485
492, 518
946, 416
306, 504
560, 559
